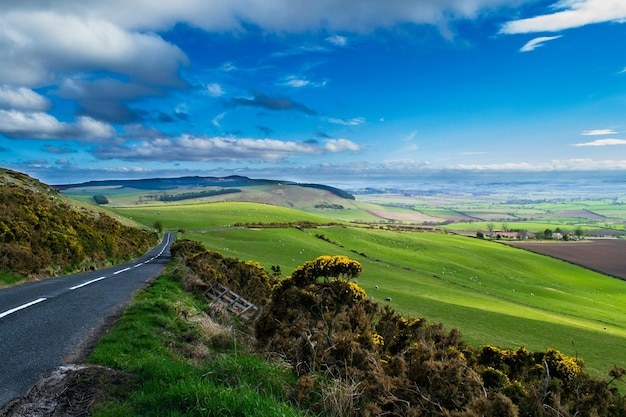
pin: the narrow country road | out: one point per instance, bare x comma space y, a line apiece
42, 323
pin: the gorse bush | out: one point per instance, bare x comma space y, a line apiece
354, 356
41, 236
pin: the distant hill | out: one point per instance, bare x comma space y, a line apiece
232, 181
195, 189
43, 233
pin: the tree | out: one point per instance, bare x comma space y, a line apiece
490, 228
158, 226
579, 232
547, 234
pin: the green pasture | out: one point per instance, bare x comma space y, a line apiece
518, 225
211, 215
494, 294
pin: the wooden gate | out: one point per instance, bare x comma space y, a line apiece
231, 301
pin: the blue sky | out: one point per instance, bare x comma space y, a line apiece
329, 91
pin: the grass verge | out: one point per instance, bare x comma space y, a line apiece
8, 278
184, 366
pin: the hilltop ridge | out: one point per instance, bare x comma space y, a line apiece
197, 182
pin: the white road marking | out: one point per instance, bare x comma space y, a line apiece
120, 271
23, 306
87, 283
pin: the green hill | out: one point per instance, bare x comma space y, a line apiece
150, 190
44, 234
491, 292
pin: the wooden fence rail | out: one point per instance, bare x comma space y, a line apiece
231, 301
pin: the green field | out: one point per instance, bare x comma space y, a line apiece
493, 293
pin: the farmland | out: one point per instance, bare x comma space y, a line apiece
603, 255
493, 293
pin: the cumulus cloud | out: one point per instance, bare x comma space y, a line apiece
603, 142
537, 42
262, 100
570, 14
38, 125
274, 15
37, 45
340, 145
192, 148
22, 98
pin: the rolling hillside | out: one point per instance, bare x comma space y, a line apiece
43, 233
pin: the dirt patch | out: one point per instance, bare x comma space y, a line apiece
70, 391
601, 255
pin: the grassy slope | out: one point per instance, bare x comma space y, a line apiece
183, 370
493, 293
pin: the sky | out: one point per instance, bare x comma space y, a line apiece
332, 91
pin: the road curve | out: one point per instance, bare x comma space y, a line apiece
42, 322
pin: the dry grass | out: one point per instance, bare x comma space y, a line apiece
339, 397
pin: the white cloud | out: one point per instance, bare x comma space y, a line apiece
38, 45
217, 119
598, 132
270, 15
296, 82
581, 164
215, 90
21, 98
192, 148
537, 42
300, 82
338, 40
570, 14
603, 142
340, 145
355, 121
37, 125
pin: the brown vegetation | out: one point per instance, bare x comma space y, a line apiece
42, 236
357, 357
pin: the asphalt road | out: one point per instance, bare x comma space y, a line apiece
44, 323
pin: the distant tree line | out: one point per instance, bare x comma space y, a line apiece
100, 199
195, 194
329, 206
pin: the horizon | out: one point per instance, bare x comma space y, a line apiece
337, 92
